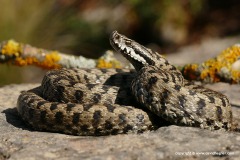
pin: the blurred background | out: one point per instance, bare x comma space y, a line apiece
82, 27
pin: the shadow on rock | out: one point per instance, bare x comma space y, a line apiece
14, 119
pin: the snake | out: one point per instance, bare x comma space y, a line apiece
98, 102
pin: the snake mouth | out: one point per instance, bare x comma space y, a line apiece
138, 55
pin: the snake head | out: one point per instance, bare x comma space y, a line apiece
138, 55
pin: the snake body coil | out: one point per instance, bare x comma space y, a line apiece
114, 101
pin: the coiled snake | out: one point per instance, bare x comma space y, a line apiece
113, 101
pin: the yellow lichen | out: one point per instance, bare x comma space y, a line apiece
101, 63
190, 71
108, 61
209, 75
49, 62
235, 76
11, 48
26, 61
204, 74
230, 55
211, 68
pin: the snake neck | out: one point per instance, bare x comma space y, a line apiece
138, 55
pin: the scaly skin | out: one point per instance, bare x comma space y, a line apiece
161, 88
99, 102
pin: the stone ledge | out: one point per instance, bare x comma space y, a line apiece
18, 141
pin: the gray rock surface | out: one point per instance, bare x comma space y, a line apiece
18, 141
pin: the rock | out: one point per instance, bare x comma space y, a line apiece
18, 141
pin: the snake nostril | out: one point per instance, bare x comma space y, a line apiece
115, 35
